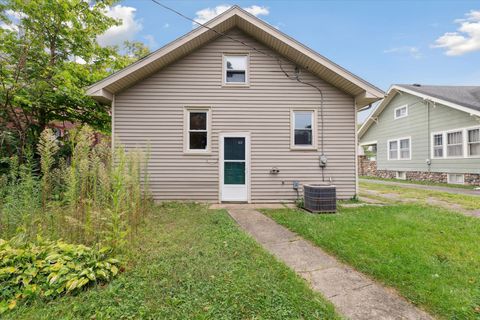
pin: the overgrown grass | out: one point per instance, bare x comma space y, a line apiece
430, 255
82, 199
193, 263
466, 201
425, 183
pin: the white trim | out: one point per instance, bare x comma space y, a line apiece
186, 130
398, 89
112, 146
449, 180
202, 35
367, 143
401, 175
248, 162
247, 70
444, 133
314, 117
395, 117
398, 149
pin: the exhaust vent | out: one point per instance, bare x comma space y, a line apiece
320, 198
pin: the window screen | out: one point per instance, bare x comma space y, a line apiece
303, 130
455, 144
474, 142
197, 130
236, 69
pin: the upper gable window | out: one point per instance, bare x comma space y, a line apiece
235, 69
401, 112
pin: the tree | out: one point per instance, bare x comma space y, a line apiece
48, 55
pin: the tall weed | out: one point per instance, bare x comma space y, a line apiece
88, 198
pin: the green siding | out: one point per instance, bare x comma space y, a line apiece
415, 125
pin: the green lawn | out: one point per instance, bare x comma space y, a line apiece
430, 255
193, 263
468, 202
425, 183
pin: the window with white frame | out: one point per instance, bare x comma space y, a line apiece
438, 145
401, 112
473, 142
393, 150
456, 178
399, 149
235, 69
303, 128
197, 135
455, 144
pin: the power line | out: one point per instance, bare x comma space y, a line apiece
296, 77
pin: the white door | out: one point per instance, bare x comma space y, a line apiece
234, 166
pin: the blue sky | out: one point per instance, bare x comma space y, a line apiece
384, 42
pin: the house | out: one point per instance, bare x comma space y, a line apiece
238, 111
423, 132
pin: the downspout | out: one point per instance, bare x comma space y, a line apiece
429, 142
356, 148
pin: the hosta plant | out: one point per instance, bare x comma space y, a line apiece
48, 269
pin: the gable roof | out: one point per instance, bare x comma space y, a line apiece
463, 98
364, 92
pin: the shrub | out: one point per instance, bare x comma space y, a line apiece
47, 269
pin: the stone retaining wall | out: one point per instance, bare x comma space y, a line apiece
369, 168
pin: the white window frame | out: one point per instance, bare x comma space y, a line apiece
313, 146
401, 175
398, 149
449, 180
224, 70
186, 131
433, 145
405, 106
465, 143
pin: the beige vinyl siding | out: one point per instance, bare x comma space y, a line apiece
152, 111
442, 118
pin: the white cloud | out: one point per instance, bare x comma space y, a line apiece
257, 10
127, 30
150, 41
414, 52
207, 14
465, 39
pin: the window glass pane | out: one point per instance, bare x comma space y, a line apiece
198, 121
236, 62
474, 142
303, 137
474, 135
438, 151
454, 151
404, 144
234, 148
236, 76
401, 112
438, 140
234, 173
198, 140
454, 137
393, 149
303, 120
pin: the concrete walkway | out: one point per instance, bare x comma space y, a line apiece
353, 294
469, 192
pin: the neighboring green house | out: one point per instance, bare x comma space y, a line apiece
425, 133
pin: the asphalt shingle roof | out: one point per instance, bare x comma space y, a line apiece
467, 96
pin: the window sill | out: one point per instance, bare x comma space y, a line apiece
293, 148
197, 153
235, 85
